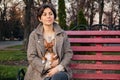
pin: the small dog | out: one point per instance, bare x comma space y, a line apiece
50, 56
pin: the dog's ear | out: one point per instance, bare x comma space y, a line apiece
53, 42
45, 43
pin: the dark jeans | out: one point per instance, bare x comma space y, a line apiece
58, 76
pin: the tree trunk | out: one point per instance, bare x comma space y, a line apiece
119, 12
1, 30
101, 6
92, 14
27, 27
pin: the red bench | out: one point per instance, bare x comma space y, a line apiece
96, 54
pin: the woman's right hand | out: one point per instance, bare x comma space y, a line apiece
54, 63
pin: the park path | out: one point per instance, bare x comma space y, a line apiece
5, 44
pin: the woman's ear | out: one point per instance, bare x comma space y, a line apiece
39, 19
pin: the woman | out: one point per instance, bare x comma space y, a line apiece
48, 31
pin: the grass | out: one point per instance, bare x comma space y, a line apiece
9, 72
13, 53
16, 47
8, 55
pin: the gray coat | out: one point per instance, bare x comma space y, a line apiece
36, 50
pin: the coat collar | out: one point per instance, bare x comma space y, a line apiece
57, 28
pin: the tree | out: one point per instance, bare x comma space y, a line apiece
45, 1
92, 11
119, 10
72, 12
15, 23
81, 20
101, 8
27, 23
3, 20
62, 14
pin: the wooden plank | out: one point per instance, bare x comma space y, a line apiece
97, 76
93, 33
95, 57
94, 40
96, 48
95, 66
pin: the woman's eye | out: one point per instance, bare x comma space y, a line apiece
44, 14
51, 13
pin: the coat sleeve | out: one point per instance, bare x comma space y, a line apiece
67, 52
32, 55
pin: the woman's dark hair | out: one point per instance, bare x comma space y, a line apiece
44, 6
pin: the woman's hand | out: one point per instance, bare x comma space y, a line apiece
54, 63
52, 71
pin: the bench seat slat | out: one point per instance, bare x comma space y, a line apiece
95, 57
97, 48
94, 40
96, 66
93, 33
97, 76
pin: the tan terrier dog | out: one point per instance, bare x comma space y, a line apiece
50, 56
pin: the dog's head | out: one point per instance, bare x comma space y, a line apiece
49, 45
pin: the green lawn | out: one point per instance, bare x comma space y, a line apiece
9, 72
8, 55
16, 47
13, 53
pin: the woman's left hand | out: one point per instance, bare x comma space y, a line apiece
52, 71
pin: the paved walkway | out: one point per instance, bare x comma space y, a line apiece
4, 44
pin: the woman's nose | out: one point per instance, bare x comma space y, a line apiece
48, 15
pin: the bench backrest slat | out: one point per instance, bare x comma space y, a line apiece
94, 40
103, 33
96, 66
96, 57
97, 76
96, 48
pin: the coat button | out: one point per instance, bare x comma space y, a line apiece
38, 41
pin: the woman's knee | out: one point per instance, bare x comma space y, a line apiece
60, 76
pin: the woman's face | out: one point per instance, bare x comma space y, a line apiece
47, 18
